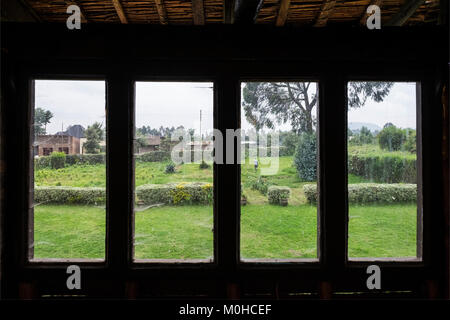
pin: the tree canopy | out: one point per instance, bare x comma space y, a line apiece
267, 103
42, 117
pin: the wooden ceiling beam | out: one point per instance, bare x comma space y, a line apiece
283, 13
198, 12
405, 12
364, 16
325, 11
119, 10
246, 11
162, 12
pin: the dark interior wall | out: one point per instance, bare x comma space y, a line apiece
224, 54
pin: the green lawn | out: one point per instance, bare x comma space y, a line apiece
185, 232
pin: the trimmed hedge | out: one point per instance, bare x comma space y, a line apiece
387, 169
177, 194
71, 159
371, 192
276, 193
153, 156
69, 195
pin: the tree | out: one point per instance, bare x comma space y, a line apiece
42, 117
391, 138
94, 134
364, 136
305, 158
267, 103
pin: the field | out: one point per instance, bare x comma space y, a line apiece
185, 232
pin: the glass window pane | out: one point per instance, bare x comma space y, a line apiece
68, 148
382, 170
174, 171
279, 170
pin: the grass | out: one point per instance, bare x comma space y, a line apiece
267, 231
375, 150
168, 232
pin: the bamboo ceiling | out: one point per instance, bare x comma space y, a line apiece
277, 12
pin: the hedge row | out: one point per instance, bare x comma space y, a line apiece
384, 169
371, 192
69, 195
159, 156
178, 194
71, 159
276, 194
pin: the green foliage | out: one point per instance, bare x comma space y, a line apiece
276, 194
261, 184
177, 194
41, 119
69, 195
410, 143
305, 157
391, 138
70, 160
364, 136
170, 168
359, 92
57, 160
288, 143
383, 168
371, 193
153, 156
94, 135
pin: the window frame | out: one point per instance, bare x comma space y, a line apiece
333, 265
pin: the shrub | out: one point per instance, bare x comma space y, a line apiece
170, 168
410, 143
261, 184
71, 159
371, 193
182, 193
57, 160
383, 168
391, 138
86, 159
153, 156
277, 193
305, 157
69, 195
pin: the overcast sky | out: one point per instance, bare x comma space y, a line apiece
172, 104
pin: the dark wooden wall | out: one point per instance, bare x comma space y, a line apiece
225, 55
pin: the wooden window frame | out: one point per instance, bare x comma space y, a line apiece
119, 276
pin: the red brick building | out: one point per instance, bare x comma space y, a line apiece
44, 145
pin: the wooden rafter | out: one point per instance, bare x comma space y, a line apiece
162, 11
198, 12
325, 11
82, 12
405, 12
119, 10
30, 10
364, 16
283, 13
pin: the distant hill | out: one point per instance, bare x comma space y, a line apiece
356, 126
